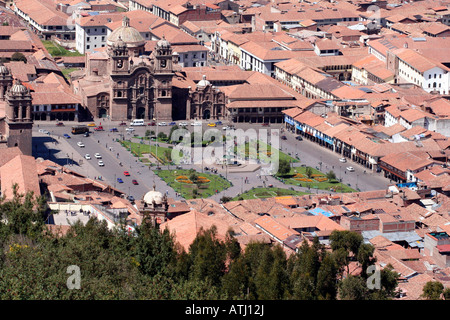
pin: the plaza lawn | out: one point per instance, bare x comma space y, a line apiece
57, 51
192, 190
139, 149
249, 150
291, 178
258, 193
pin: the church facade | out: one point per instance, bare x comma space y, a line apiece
120, 82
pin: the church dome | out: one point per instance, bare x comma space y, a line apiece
153, 196
126, 35
203, 82
163, 43
3, 69
18, 88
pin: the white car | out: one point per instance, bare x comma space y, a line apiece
100, 163
98, 156
129, 129
87, 156
343, 160
196, 123
183, 124
162, 124
80, 144
351, 169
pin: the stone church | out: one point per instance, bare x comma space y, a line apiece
121, 82
15, 113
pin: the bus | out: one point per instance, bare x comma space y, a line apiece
80, 129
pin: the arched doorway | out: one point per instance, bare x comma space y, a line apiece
140, 114
206, 114
102, 113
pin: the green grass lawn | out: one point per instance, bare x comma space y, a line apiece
66, 71
264, 153
192, 190
57, 51
298, 176
138, 150
258, 193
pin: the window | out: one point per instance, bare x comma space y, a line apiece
88, 47
88, 39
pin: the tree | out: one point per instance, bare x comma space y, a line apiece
447, 294
171, 137
433, 290
331, 175
162, 136
18, 56
284, 167
347, 245
353, 288
309, 172
153, 250
207, 257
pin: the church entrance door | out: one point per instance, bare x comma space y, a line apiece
206, 114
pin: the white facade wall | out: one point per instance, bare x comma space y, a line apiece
436, 79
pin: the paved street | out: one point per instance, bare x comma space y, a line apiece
64, 151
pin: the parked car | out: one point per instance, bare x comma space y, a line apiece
196, 123
283, 138
151, 123
60, 124
87, 156
299, 138
92, 124
122, 124
100, 163
129, 129
99, 128
351, 169
183, 124
98, 155
86, 134
80, 144
126, 173
162, 124
172, 123
266, 124
211, 124
343, 160
219, 123
134, 182
66, 136
119, 180
113, 130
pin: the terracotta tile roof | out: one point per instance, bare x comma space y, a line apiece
407, 160
412, 115
187, 226
21, 170
274, 228
418, 61
43, 12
